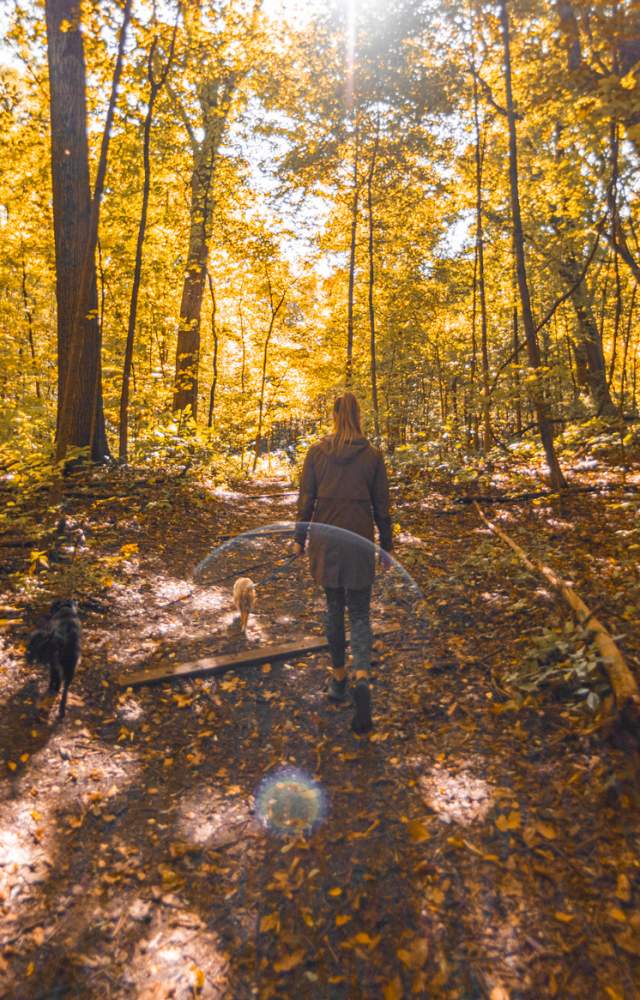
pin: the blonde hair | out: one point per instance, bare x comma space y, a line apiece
346, 420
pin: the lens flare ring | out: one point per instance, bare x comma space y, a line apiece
290, 802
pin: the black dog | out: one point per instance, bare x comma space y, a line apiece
56, 645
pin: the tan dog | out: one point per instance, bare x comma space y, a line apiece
244, 598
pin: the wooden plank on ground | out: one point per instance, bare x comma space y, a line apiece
248, 658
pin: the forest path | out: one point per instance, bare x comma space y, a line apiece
469, 847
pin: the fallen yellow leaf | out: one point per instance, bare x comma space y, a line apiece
362, 940
508, 822
613, 994
198, 977
289, 962
269, 923
417, 831
546, 830
415, 954
393, 990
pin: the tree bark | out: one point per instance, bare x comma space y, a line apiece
185, 396
372, 315
80, 415
516, 353
155, 86
29, 318
72, 221
275, 309
538, 397
590, 361
352, 260
484, 348
214, 332
215, 97
627, 341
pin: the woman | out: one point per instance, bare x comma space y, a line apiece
344, 485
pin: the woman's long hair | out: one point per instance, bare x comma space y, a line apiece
346, 420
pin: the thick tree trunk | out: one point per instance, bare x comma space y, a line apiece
538, 397
185, 397
72, 232
590, 363
80, 416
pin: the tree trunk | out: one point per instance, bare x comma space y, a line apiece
274, 312
372, 315
72, 225
155, 85
80, 415
185, 397
516, 354
540, 404
627, 341
352, 261
243, 374
590, 362
215, 101
29, 318
484, 349
214, 332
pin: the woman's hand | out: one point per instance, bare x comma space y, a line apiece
297, 549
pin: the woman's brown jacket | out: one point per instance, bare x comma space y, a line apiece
347, 489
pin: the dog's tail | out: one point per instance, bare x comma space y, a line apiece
245, 608
246, 600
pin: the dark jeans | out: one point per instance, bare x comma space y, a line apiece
357, 602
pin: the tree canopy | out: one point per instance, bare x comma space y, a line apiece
297, 201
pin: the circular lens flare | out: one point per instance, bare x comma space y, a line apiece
289, 802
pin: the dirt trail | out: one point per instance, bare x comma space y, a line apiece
469, 848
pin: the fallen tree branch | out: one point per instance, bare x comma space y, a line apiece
533, 495
501, 499
623, 683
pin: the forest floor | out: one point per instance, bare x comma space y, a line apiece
482, 842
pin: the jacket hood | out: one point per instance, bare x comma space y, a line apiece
346, 452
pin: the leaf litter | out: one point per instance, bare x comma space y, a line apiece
484, 842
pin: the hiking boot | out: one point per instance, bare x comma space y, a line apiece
338, 691
361, 722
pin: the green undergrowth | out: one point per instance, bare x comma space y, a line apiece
564, 664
